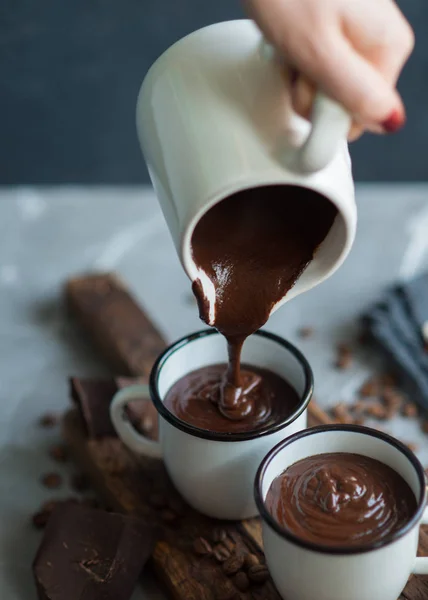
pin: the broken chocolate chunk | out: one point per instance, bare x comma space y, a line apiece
93, 398
88, 553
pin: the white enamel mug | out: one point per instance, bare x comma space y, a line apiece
303, 570
214, 472
214, 118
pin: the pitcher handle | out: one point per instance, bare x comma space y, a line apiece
330, 126
136, 442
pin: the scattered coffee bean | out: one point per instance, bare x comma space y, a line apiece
344, 356
202, 547
306, 332
52, 480
40, 519
158, 500
411, 446
341, 414
344, 362
392, 397
241, 581
230, 544
225, 590
377, 411
49, 506
58, 453
370, 388
48, 420
388, 379
359, 406
219, 535
251, 560
344, 348
393, 403
79, 482
221, 554
233, 564
409, 410
358, 421
168, 516
258, 573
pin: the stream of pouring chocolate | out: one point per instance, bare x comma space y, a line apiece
253, 246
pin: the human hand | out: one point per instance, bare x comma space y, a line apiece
353, 50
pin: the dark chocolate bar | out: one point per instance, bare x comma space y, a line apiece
93, 397
115, 323
90, 554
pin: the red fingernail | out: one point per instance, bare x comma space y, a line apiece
394, 122
293, 75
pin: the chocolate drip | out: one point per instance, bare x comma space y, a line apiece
341, 499
253, 246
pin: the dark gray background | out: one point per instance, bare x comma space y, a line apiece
70, 71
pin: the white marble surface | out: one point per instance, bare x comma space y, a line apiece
46, 235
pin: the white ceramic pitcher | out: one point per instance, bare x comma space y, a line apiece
214, 118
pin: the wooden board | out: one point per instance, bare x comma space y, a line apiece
141, 486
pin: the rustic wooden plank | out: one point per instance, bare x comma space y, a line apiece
128, 485
115, 323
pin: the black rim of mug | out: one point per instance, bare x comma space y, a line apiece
323, 549
305, 397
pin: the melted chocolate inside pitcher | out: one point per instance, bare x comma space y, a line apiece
250, 249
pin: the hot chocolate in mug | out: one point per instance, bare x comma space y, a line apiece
214, 118
378, 570
213, 471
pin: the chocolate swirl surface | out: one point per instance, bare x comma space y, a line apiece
266, 399
341, 499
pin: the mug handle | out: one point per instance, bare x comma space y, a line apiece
420, 566
130, 437
330, 126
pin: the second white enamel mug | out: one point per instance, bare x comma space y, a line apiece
304, 570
